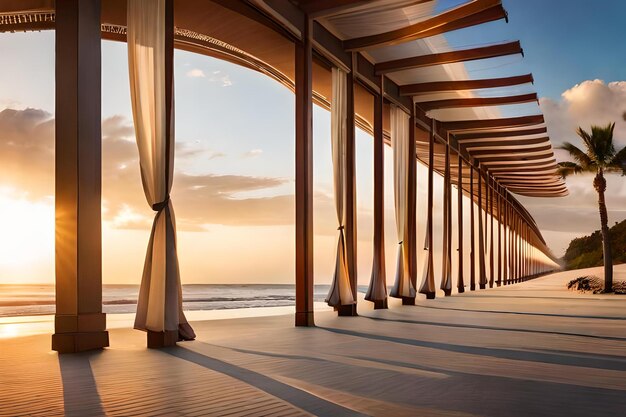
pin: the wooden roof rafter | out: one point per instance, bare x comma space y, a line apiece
510, 122
476, 143
463, 55
469, 14
477, 102
459, 85
500, 134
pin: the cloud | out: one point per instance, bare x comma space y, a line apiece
195, 73
587, 103
216, 76
27, 164
219, 77
590, 102
253, 153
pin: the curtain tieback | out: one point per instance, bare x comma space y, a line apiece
160, 206
341, 227
400, 242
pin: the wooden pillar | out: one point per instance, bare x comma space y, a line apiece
491, 184
79, 323
505, 259
412, 207
446, 254
428, 283
472, 233
512, 245
350, 226
460, 281
482, 278
378, 264
304, 179
499, 204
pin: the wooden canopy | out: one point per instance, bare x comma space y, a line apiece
396, 45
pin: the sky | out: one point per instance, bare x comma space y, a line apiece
233, 189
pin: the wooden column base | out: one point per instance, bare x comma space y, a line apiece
430, 295
461, 290
158, 340
380, 304
348, 310
447, 293
408, 301
305, 319
79, 342
80, 332
472, 287
499, 284
482, 286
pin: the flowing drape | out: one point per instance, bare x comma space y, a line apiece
159, 307
341, 290
403, 286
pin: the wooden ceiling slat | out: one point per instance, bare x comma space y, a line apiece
493, 123
480, 154
504, 144
466, 15
437, 86
476, 102
500, 134
493, 51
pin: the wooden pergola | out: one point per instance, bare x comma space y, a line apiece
297, 43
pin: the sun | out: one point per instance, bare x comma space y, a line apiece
26, 238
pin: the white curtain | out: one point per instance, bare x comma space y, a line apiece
159, 307
340, 291
403, 286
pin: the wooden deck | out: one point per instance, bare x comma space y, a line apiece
527, 350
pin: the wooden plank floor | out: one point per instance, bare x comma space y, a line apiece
526, 350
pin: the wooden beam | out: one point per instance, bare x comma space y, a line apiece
460, 281
79, 323
472, 233
494, 123
439, 86
464, 55
476, 102
523, 152
466, 15
501, 134
412, 205
304, 179
482, 273
504, 144
378, 278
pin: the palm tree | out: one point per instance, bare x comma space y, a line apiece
600, 158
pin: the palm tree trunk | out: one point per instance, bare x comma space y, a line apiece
599, 183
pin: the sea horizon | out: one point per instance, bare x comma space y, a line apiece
39, 299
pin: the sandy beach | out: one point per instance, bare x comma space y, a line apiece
529, 349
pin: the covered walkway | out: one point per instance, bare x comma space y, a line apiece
533, 349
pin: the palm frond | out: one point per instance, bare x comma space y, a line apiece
618, 163
565, 169
579, 156
602, 137
586, 137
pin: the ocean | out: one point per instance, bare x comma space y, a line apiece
32, 300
